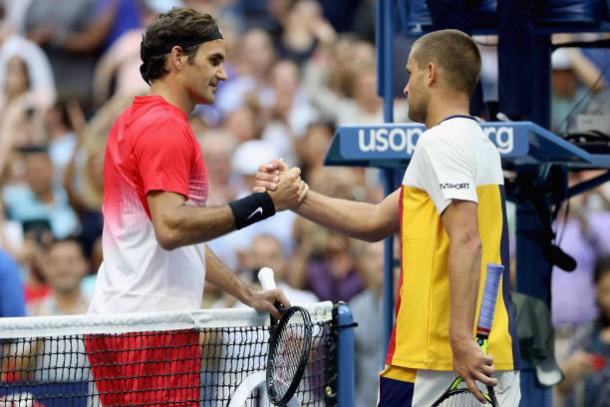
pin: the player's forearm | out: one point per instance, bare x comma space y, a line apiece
355, 219
218, 274
464, 264
188, 225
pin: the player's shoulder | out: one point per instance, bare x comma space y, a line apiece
458, 133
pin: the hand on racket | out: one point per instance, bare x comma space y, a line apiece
289, 347
470, 361
270, 299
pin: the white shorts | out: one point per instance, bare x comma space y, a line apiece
404, 387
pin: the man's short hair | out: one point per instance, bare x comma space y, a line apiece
179, 26
455, 53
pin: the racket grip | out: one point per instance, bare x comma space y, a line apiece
265, 276
490, 293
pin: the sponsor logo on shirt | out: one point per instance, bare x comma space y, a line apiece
449, 185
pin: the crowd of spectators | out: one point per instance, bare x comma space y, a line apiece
297, 69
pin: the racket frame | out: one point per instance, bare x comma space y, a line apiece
276, 329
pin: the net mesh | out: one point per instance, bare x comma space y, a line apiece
194, 358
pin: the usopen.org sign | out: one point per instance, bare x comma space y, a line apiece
398, 141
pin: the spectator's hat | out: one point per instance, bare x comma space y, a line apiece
560, 60
252, 154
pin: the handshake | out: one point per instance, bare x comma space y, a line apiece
283, 184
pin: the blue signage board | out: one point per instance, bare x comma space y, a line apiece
398, 141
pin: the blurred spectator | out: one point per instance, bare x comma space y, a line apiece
40, 199
267, 251
16, 83
222, 10
67, 31
21, 112
323, 261
343, 84
592, 66
583, 235
363, 23
312, 148
31, 256
118, 70
61, 136
36, 64
304, 30
83, 178
12, 300
245, 123
263, 14
330, 270
127, 16
247, 158
339, 13
290, 104
15, 12
367, 310
567, 92
291, 111
64, 268
217, 154
254, 60
587, 370
488, 47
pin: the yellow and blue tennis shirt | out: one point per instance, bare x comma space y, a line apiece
453, 160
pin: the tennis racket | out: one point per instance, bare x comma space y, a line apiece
289, 346
458, 393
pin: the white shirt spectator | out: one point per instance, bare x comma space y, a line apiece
39, 69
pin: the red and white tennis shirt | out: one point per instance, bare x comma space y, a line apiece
151, 147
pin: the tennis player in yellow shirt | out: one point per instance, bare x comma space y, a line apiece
451, 217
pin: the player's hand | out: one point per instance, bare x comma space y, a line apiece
472, 364
580, 364
265, 301
290, 190
268, 175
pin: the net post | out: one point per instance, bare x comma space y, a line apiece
346, 355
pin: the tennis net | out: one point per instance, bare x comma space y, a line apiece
195, 358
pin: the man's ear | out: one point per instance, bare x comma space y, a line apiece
431, 73
177, 57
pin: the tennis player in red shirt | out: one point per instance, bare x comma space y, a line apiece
155, 218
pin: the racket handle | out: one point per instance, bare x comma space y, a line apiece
490, 293
265, 276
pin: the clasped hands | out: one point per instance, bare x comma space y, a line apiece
284, 184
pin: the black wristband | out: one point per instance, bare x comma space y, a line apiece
252, 209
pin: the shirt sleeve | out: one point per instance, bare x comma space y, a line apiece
447, 172
164, 157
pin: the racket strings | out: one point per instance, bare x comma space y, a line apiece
291, 344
